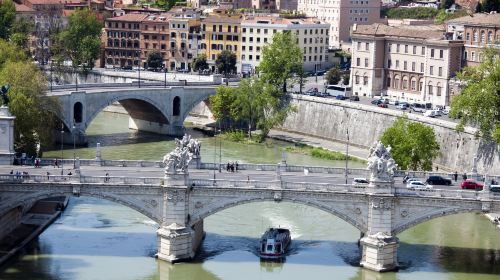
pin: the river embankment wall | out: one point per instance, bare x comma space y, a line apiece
330, 119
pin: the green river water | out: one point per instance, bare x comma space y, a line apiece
97, 239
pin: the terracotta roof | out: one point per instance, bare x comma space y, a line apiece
378, 29
276, 19
52, 2
223, 19
20, 8
67, 13
478, 19
130, 17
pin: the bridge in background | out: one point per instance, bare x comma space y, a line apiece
152, 107
180, 202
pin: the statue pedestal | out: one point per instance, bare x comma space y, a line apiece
381, 186
175, 243
176, 179
7, 152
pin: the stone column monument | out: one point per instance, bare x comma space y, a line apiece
6, 130
379, 245
178, 239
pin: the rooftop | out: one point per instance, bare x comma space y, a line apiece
422, 32
130, 17
478, 19
276, 19
20, 8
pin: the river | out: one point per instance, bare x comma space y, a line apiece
97, 239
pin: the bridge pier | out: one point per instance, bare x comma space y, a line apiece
178, 239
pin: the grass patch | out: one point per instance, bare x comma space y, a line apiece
321, 153
241, 136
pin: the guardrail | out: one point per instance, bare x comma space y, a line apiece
133, 85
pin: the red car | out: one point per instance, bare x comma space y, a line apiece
471, 184
382, 105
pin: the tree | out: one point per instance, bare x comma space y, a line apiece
155, 60
34, 122
20, 32
333, 76
281, 60
479, 102
446, 4
221, 104
81, 39
413, 144
7, 17
490, 6
226, 63
200, 63
346, 78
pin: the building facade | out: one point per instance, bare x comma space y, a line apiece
478, 32
258, 31
341, 15
221, 31
413, 64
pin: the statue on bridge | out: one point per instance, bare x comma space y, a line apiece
380, 163
5, 98
177, 161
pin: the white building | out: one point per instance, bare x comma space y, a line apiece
411, 63
341, 15
257, 31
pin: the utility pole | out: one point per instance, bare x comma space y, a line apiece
62, 148
346, 156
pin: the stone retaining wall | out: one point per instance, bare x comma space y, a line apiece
330, 119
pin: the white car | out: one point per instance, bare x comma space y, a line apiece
432, 113
359, 182
418, 185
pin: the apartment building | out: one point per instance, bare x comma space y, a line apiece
341, 15
406, 63
264, 4
288, 5
221, 31
258, 31
185, 38
478, 32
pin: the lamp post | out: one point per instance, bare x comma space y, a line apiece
139, 66
165, 75
346, 156
76, 78
62, 149
220, 149
215, 149
74, 146
51, 79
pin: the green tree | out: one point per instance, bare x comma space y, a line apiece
200, 63
249, 104
346, 78
281, 61
7, 17
155, 60
445, 4
226, 63
81, 39
413, 144
490, 6
20, 32
34, 122
479, 102
333, 76
221, 104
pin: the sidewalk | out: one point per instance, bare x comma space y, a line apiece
295, 137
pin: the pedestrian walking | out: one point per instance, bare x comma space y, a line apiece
236, 166
106, 179
464, 177
227, 167
48, 175
248, 178
455, 176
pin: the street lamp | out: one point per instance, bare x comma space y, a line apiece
220, 149
346, 156
139, 66
51, 79
62, 149
165, 75
215, 150
74, 146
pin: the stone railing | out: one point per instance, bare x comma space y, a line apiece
443, 193
134, 84
81, 179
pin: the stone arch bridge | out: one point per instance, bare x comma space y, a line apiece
179, 203
155, 109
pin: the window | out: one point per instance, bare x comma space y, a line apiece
441, 53
366, 62
405, 82
358, 61
414, 49
388, 81
431, 70
432, 53
440, 71
396, 82
356, 79
397, 64
465, 55
405, 65
483, 37
397, 48
474, 36
365, 80
473, 56
406, 48
413, 84
423, 50
430, 88
413, 66
359, 45
490, 37
389, 63
367, 46
390, 47
438, 89
421, 67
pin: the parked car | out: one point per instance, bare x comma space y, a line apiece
127, 67
359, 182
411, 180
312, 92
354, 98
376, 101
382, 105
471, 184
394, 102
403, 106
438, 180
431, 113
418, 185
495, 188
340, 97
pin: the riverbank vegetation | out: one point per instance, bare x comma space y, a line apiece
318, 152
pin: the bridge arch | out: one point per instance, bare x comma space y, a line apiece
122, 200
137, 106
338, 211
427, 216
77, 112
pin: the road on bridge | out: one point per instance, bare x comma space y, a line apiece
241, 175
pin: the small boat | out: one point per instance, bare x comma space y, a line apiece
274, 243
